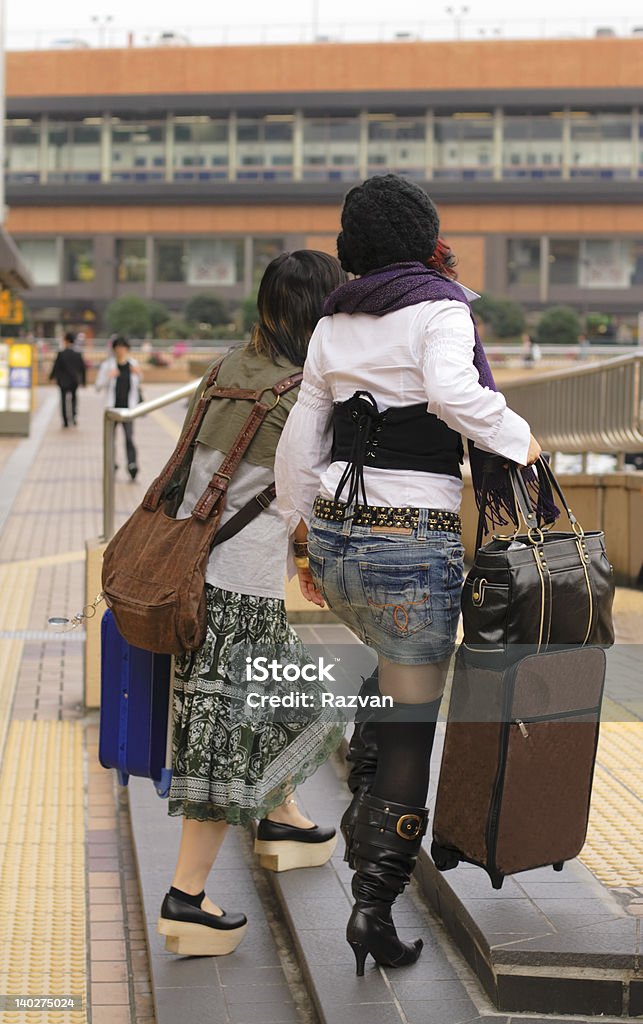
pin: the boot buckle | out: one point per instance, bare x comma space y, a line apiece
409, 826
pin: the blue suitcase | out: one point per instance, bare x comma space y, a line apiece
135, 710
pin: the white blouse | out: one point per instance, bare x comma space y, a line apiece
420, 353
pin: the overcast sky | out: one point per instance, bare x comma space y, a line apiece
66, 15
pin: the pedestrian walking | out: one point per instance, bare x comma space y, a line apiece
228, 770
119, 377
69, 373
396, 368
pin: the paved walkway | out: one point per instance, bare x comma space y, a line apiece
72, 920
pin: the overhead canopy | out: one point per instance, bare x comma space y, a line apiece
13, 272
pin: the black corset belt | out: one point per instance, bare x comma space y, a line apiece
405, 437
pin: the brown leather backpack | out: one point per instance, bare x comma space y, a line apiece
154, 568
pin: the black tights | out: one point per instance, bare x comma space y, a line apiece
405, 736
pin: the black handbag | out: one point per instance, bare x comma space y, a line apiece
536, 590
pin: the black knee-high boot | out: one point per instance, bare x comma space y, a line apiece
362, 757
386, 841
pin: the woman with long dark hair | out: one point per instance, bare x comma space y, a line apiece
369, 464
228, 767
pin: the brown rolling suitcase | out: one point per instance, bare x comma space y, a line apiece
518, 762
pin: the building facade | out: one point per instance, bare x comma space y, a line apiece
170, 172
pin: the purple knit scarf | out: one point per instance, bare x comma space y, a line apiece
405, 284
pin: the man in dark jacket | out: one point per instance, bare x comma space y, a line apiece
68, 371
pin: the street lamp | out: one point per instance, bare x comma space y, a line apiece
102, 21
457, 13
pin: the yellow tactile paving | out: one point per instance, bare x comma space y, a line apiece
170, 426
42, 868
17, 588
614, 848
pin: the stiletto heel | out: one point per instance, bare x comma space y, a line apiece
361, 952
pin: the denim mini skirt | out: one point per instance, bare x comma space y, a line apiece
397, 589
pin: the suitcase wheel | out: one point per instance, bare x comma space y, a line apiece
559, 865
123, 778
443, 859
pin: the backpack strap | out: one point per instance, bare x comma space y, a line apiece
157, 489
218, 485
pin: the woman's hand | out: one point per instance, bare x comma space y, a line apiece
534, 452
309, 589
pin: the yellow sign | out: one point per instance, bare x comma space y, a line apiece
20, 355
11, 308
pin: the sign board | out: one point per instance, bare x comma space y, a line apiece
16, 381
11, 308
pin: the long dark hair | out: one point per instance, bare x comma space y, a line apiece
290, 302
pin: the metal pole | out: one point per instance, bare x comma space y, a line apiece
109, 428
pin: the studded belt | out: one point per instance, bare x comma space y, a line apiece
382, 516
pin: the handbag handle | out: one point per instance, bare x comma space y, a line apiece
522, 500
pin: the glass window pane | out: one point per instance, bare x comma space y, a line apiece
74, 150
79, 259
22, 151
170, 261
532, 146
331, 149
601, 145
131, 259
397, 145
463, 146
605, 263
200, 261
523, 261
263, 251
41, 258
265, 148
200, 149
564, 260
138, 150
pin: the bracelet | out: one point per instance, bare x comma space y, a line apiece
300, 547
301, 561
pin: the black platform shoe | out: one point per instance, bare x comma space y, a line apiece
386, 841
191, 931
362, 757
282, 847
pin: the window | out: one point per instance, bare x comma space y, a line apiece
523, 261
601, 145
22, 151
532, 146
74, 150
79, 259
138, 150
331, 149
200, 261
263, 251
200, 148
464, 146
606, 263
131, 260
396, 144
265, 148
41, 258
563, 260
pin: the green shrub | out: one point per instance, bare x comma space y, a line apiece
559, 325
129, 315
505, 317
175, 329
206, 309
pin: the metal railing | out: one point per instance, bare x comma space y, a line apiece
595, 408
111, 418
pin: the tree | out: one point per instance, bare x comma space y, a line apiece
559, 325
129, 315
249, 312
505, 317
206, 309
